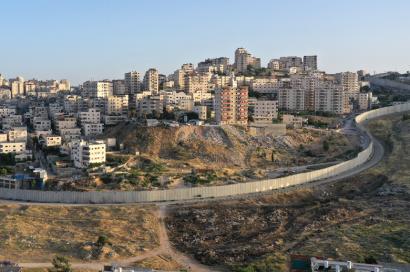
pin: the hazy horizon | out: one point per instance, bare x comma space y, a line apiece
83, 40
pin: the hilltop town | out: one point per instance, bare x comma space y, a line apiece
52, 131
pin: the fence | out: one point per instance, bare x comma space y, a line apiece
205, 192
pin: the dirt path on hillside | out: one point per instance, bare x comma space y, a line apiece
165, 248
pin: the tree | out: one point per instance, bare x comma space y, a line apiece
60, 264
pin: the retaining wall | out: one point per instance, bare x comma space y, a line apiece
205, 192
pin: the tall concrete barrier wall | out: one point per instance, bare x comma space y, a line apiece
205, 192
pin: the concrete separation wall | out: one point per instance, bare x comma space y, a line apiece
205, 192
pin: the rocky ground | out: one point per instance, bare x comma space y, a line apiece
367, 215
37, 233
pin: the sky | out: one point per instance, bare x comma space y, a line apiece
102, 39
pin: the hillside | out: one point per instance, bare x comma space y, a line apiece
356, 218
231, 148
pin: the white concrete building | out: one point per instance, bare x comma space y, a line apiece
91, 116
13, 147
132, 82
98, 89
265, 110
17, 134
92, 129
51, 140
151, 82
201, 111
264, 85
87, 153
243, 59
116, 105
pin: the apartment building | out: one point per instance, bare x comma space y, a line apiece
91, 116
17, 87
13, 120
12, 147
196, 83
50, 140
17, 134
3, 137
243, 59
330, 97
7, 111
65, 122
274, 64
202, 112
92, 129
70, 103
40, 123
349, 82
216, 65
87, 153
288, 62
150, 105
119, 87
98, 89
365, 101
265, 110
292, 99
231, 105
116, 105
132, 82
310, 63
264, 85
151, 82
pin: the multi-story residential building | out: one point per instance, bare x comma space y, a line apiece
91, 116
330, 97
110, 120
264, 85
231, 105
365, 101
98, 89
150, 105
310, 63
5, 92
12, 121
274, 64
50, 140
293, 121
12, 147
349, 82
202, 112
17, 134
87, 153
65, 122
119, 87
64, 85
173, 98
7, 111
3, 137
196, 83
40, 124
116, 105
69, 134
291, 99
17, 87
92, 129
243, 59
151, 82
289, 62
70, 103
132, 82
217, 65
265, 110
